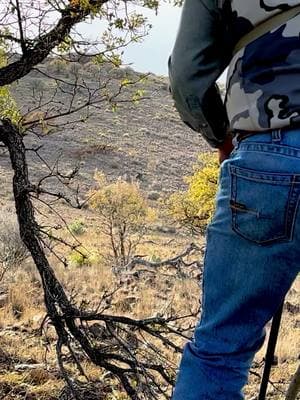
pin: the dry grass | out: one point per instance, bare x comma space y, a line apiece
33, 385
21, 317
155, 293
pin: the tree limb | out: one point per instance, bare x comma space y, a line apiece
44, 44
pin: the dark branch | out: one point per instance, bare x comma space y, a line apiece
22, 39
144, 366
44, 44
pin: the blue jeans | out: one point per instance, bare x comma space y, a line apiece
252, 258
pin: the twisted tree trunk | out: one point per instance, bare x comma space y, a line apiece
58, 306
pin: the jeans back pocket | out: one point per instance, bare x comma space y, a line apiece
263, 204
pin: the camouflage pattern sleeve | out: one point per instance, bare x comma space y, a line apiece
262, 90
199, 56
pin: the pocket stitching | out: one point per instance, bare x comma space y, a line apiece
260, 176
290, 212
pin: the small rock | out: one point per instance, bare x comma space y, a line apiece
292, 308
25, 367
4, 357
38, 318
153, 196
166, 229
156, 187
4, 300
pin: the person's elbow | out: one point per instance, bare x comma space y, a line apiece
178, 78
182, 91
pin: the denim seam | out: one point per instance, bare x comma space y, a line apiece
262, 176
264, 179
270, 148
290, 212
295, 214
294, 211
203, 281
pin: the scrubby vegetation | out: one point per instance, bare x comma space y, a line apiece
124, 216
8, 106
12, 250
194, 207
103, 306
28, 361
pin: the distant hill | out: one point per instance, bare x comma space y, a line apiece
146, 142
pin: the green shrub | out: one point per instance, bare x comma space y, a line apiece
155, 258
84, 257
8, 106
77, 259
77, 227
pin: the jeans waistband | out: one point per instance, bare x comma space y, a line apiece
280, 141
286, 136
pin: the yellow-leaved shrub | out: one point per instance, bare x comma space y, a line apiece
8, 106
124, 214
193, 208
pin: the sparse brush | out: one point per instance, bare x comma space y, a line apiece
77, 227
124, 215
12, 250
22, 298
83, 257
194, 207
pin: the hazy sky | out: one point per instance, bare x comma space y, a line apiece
152, 54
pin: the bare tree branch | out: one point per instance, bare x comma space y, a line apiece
125, 363
22, 38
44, 44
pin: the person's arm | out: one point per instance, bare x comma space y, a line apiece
202, 51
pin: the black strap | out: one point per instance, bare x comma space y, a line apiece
270, 353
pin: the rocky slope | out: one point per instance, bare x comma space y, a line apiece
146, 141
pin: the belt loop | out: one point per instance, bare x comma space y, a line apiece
276, 135
235, 141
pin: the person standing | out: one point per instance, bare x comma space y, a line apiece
253, 241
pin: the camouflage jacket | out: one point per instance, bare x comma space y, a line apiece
263, 88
